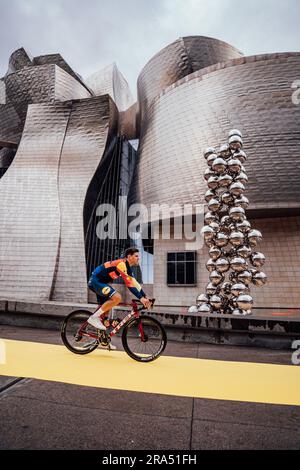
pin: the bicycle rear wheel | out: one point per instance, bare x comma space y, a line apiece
155, 339
77, 335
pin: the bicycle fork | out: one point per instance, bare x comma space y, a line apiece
141, 331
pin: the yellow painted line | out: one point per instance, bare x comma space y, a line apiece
187, 377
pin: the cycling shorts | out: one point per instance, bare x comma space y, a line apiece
102, 290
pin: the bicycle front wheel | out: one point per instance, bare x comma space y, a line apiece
77, 335
148, 348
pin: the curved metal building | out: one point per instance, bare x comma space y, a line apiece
110, 81
67, 143
177, 60
253, 94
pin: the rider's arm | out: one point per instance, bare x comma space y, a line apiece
130, 282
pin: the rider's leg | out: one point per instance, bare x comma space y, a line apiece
103, 310
98, 317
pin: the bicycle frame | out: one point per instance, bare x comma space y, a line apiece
134, 313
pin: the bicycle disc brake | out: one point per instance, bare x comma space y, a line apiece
78, 337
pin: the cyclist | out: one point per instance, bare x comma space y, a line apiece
107, 296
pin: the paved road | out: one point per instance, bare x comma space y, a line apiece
195, 397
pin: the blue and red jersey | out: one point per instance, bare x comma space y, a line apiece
107, 272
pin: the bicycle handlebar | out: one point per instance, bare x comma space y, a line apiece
137, 301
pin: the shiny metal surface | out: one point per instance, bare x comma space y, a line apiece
35, 84
84, 144
177, 60
110, 81
244, 301
62, 132
29, 210
197, 110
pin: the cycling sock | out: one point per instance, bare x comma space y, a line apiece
98, 313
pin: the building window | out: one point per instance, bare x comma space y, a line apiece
181, 268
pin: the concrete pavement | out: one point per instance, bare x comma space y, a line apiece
51, 414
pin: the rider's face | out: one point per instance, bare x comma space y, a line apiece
134, 259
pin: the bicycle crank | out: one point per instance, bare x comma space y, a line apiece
103, 338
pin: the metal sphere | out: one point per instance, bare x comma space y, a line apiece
237, 311
214, 205
238, 264
225, 220
245, 277
205, 308
210, 265
215, 253
208, 151
253, 271
211, 289
237, 214
259, 278
239, 288
211, 158
225, 181
222, 265
193, 309
243, 226
202, 299
225, 151
226, 288
241, 178
234, 132
234, 165
227, 198
215, 226
244, 302
235, 142
221, 239
208, 173
241, 201
210, 217
213, 182
254, 236
216, 278
216, 302
257, 259
209, 243
219, 165
236, 238
209, 195
237, 188
244, 251
240, 155
207, 232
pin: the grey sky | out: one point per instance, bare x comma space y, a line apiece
91, 34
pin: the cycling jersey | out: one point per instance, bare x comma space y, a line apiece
107, 272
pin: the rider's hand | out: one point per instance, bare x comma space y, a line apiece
146, 302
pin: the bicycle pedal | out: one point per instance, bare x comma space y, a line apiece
103, 338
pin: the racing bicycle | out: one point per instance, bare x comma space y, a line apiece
143, 337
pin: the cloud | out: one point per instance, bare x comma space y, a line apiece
95, 33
